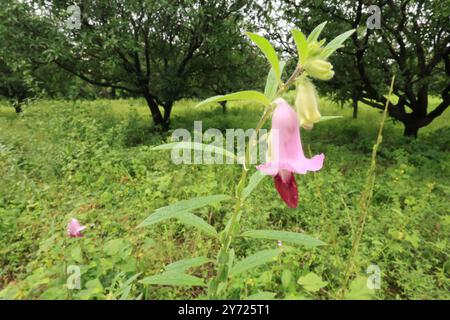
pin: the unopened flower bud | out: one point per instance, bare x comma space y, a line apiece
314, 49
307, 104
319, 68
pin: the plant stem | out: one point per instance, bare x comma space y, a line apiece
365, 199
233, 224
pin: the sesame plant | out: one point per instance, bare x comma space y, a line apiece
285, 158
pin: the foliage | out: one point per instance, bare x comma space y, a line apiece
111, 181
154, 229
24, 73
160, 50
413, 42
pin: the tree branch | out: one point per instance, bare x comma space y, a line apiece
95, 82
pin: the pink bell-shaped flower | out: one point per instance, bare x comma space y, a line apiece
74, 229
285, 154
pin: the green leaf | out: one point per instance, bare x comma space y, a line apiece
94, 291
255, 179
131, 279
271, 88
249, 95
359, 291
174, 278
285, 236
336, 43
315, 34
125, 293
255, 260
95, 284
302, 45
286, 279
173, 210
53, 293
77, 254
326, 118
113, 247
125, 288
190, 219
158, 216
183, 265
231, 257
264, 295
270, 53
311, 282
413, 239
195, 146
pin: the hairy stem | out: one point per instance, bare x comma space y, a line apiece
364, 200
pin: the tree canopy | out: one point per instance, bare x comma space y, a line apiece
161, 50
413, 42
168, 50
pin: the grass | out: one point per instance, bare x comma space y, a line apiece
92, 160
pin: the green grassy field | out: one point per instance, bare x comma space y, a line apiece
92, 161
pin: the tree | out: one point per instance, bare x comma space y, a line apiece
12, 85
231, 71
413, 42
24, 74
149, 48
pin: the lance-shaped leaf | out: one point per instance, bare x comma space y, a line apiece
125, 288
270, 53
195, 146
255, 260
285, 236
314, 35
192, 220
336, 43
271, 88
249, 95
302, 45
255, 179
174, 278
183, 265
173, 210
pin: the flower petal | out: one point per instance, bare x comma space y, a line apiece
287, 190
305, 165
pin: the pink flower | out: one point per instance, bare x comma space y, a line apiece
285, 154
74, 229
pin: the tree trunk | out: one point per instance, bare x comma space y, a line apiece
411, 129
167, 112
355, 103
355, 108
417, 119
224, 106
17, 105
154, 110
18, 108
